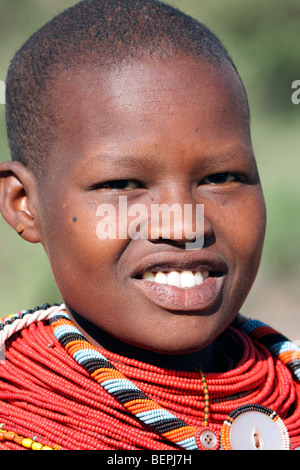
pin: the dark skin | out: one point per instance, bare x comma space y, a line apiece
178, 132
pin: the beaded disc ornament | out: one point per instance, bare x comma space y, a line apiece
254, 427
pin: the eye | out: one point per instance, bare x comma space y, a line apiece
222, 178
119, 185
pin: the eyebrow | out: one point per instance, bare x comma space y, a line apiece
227, 157
149, 162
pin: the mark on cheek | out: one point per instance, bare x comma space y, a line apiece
74, 219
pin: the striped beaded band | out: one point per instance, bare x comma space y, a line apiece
13, 323
226, 428
116, 384
287, 351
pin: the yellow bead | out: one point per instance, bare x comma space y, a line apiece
46, 448
27, 443
36, 446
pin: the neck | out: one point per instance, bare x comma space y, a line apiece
199, 360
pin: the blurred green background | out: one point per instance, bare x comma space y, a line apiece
263, 38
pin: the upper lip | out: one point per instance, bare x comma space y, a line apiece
198, 260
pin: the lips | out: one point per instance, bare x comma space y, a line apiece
187, 281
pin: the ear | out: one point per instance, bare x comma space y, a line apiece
19, 199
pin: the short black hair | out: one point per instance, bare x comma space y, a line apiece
102, 32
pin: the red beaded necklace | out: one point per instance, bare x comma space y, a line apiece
49, 400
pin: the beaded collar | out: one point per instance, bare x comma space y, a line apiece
129, 395
278, 344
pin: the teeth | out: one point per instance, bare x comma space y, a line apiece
149, 276
177, 278
174, 279
160, 278
187, 279
200, 277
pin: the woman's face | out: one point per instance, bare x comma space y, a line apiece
154, 133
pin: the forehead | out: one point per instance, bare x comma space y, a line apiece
141, 102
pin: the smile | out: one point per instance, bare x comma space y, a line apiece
192, 281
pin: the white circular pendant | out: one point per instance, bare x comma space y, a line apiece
254, 427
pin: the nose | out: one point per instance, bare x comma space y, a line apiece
179, 217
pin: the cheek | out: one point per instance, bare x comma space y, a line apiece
244, 230
77, 255
250, 228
